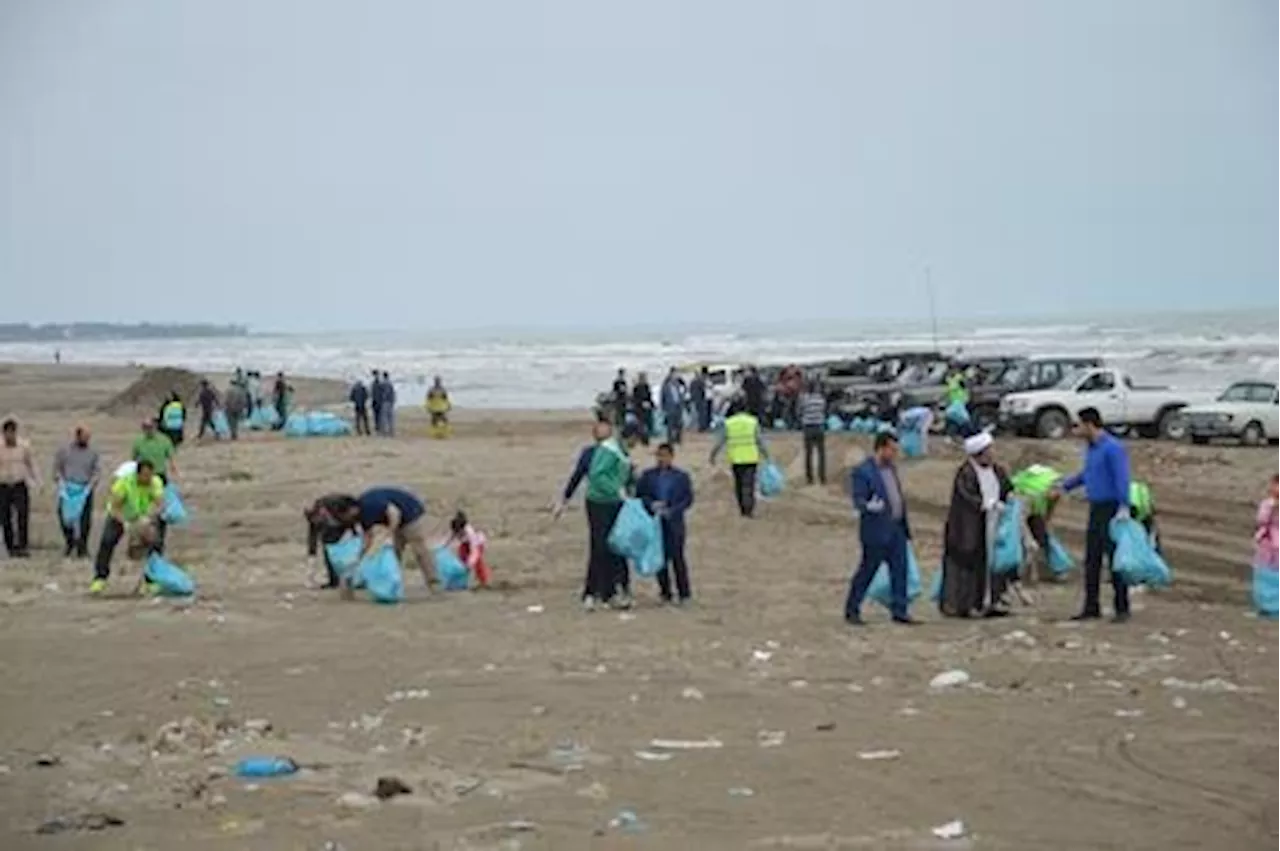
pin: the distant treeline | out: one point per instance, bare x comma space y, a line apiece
15, 332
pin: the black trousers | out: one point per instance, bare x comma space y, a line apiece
77, 537
606, 570
112, 534
815, 444
206, 424
15, 516
362, 420
319, 534
702, 410
744, 488
1097, 546
675, 425
673, 548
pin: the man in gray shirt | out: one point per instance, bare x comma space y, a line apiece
77, 463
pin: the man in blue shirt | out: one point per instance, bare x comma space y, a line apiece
1105, 478
404, 515
667, 492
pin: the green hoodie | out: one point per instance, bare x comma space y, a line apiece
609, 473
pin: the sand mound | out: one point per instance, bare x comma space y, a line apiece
152, 388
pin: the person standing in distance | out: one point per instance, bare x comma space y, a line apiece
883, 529
1105, 478
745, 447
667, 492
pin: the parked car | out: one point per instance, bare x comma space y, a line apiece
878, 369
1019, 376
1248, 411
1152, 411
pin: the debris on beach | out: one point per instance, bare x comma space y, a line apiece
879, 756
390, 787
84, 821
950, 830
686, 744
950, 679
691, 693
771, 738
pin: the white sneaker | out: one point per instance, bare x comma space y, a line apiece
588, 603
621, 601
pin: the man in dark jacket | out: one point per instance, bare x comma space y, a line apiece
378, 399
699, 389
978, 497
207, 400
667, 492
881, 504
753, 388
329, 518
359, 397
642, 406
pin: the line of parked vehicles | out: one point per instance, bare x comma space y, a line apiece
1034, 396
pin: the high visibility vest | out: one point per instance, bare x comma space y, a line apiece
1140, 500
956, 391
740, 437
173, 416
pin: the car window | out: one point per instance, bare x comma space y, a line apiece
1237, 393
1099, 382
1047, 374
1261, 393
1012, 376
1128, 382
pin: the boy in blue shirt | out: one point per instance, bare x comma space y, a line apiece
667, 492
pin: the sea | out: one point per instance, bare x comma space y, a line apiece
565, 368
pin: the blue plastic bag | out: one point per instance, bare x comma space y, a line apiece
168, 579
834, 423
912, 444
1135, 560
296, 425
1059, 560
935, 587
637, 536
264, 417
380, 572
452, 573
174, 512
326, 424
880, 591
344, 554
957, 413
73, 497
221, 428
772, 481
1266, 590
1006, 556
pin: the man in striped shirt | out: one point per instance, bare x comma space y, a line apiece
813, 420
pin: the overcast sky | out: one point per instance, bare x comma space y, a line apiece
343, 164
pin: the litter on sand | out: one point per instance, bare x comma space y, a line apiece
652, 756
685, 744
950, 679
950, 830
771, 738
741, 792
876, 756
691, 693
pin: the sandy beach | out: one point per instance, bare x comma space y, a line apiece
519, 722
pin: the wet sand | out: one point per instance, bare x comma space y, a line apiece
522, 723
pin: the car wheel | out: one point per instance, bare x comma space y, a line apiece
1052, 424
1199, 440
1252, 435
1172, 425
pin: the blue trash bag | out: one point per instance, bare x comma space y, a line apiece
883, 427
879, 589
834, 423
772, 480
344, 555
296, 425
452, 573
912, 444
717, 422
957, 413
264, 417
73, 498
169, 579
637, 536
221, 428
779, 425
659, 421
689, 418
174, 512
935, 587
1266, 590
380, 572
1006, 556
1135, 560
1058, 559
326, 424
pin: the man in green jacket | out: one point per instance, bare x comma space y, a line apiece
609, 475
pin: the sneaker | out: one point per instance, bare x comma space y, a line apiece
854, 620
622, 601
1087, 616
97, 586
588, 603
906, 621
1120, 617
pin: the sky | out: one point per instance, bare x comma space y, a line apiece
326, 164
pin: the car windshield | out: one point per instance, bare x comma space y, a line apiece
1237, 393
1013, 375
1071, 379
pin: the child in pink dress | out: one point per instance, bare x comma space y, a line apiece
1266, 542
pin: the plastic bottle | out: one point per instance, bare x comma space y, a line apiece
265, 766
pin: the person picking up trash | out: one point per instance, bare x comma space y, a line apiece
667, 493
329, 519
468, 544
404, 516
133, 511
981, 487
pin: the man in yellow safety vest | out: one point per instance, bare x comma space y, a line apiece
742, 443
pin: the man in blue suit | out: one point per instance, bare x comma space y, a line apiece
882, 526
667, 492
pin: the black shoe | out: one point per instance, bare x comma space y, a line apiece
1120, 617
907, 621
854, 620
1087, 616
67, 550
996, 613
21, 554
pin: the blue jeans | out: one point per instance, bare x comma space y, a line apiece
894, 554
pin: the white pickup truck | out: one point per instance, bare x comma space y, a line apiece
1151, 411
